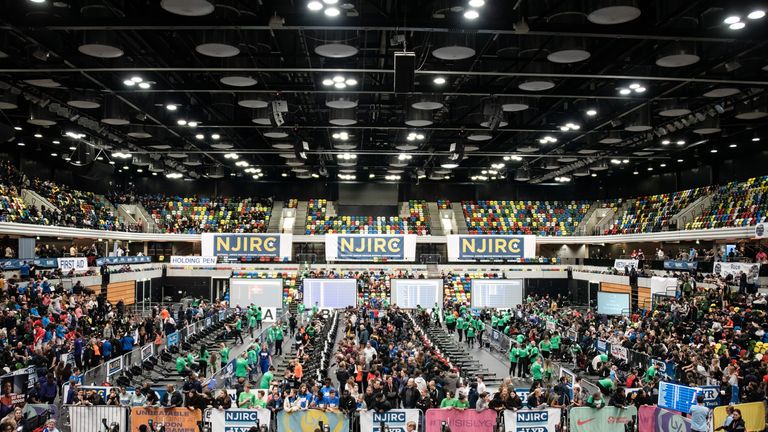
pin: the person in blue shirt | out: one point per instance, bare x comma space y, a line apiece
106, 349
264, 358
76, 377
699, 416
78, 350
127, 343
61, 331
327, 388
24, 271
331, 402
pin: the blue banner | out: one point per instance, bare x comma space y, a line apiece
680, 265
711, 396
15, 264
601, 346
667, 368
252, 245
310, 420
172, 339
124, 260
357, 247
479, 247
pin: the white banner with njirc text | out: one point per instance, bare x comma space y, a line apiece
398, 420
236, 419
545, 420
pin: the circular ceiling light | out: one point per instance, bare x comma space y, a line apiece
218, 50
332, 12
409, 147
340, 102
252, 102
277, 134
336, 50
282, 146
100, 50
314, 6
756, 14
479, 136
527, 148
44, 82
612, 15
238, 81
8, 102
138, 132
471, 14
674, 112
568, 56
454, 52
677, 60
84, 103
469, 148
514, 107
737, 26
188, 7
426, 104
344, 146
722, 92
222, 146
488, 124
534, 85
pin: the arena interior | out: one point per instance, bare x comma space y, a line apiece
383, 215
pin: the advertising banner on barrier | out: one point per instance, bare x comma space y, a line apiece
460, 420
619, 352
172, 339
114, 366
174, 419
545, 420
114, 260
753, 414
237, 420
655, 419
490, 247
734, 269
146, 351
606, 419
370, 247
621, 264
680, 265
397, 420
76, 264
14, 387
15, 264
193, 260
89, 418
247, 245
309, 421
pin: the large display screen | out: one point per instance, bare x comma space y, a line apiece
330, 293
267, 293
497, 293
410, 293
612, 303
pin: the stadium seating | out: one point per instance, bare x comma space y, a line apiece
290, 278
652, 213
457, 288
192, 215
736, 204
443, 204
79, 209
319, 223
544, 218
13, 208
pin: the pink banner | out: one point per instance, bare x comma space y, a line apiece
655, 419
461, 420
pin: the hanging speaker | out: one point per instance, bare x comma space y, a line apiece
405, 69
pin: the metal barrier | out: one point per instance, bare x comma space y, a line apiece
93, 418
102, 372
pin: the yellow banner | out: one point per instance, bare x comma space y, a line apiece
752, 413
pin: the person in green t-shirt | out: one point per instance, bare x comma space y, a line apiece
315, 308
450, 321
181, 366
606, 386
480, 328
537, 371
460, 327
246, 400
514, 354
202, 361
300, 309
224, 353
253, 362
278, 335
259, 317
494, 321
251, 324
545, 346
461, 402
533, 352
555, 340
650, 374
241, 366
238, 330
266, 379
270, 337
520, 339
470, 334
523, 362
259, 402
448, 401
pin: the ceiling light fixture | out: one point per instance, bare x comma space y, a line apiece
732, 19
439, 80
471, 14
733, 145
145, 85
624, 91
332, 12
215, 136
591, 112
314, 6
129, 83
231, 156
665, 142
171, 107
737, 26
476, 3
756, 14
756, 139
200, 136
680, 142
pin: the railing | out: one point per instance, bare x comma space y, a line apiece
102, 372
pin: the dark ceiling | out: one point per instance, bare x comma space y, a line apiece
704, 85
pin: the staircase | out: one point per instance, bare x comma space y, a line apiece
459, 221
276, 218
300, 224
32, 198
459, 356
139, 213
612, 216
593, 218
690, 213
433, 219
